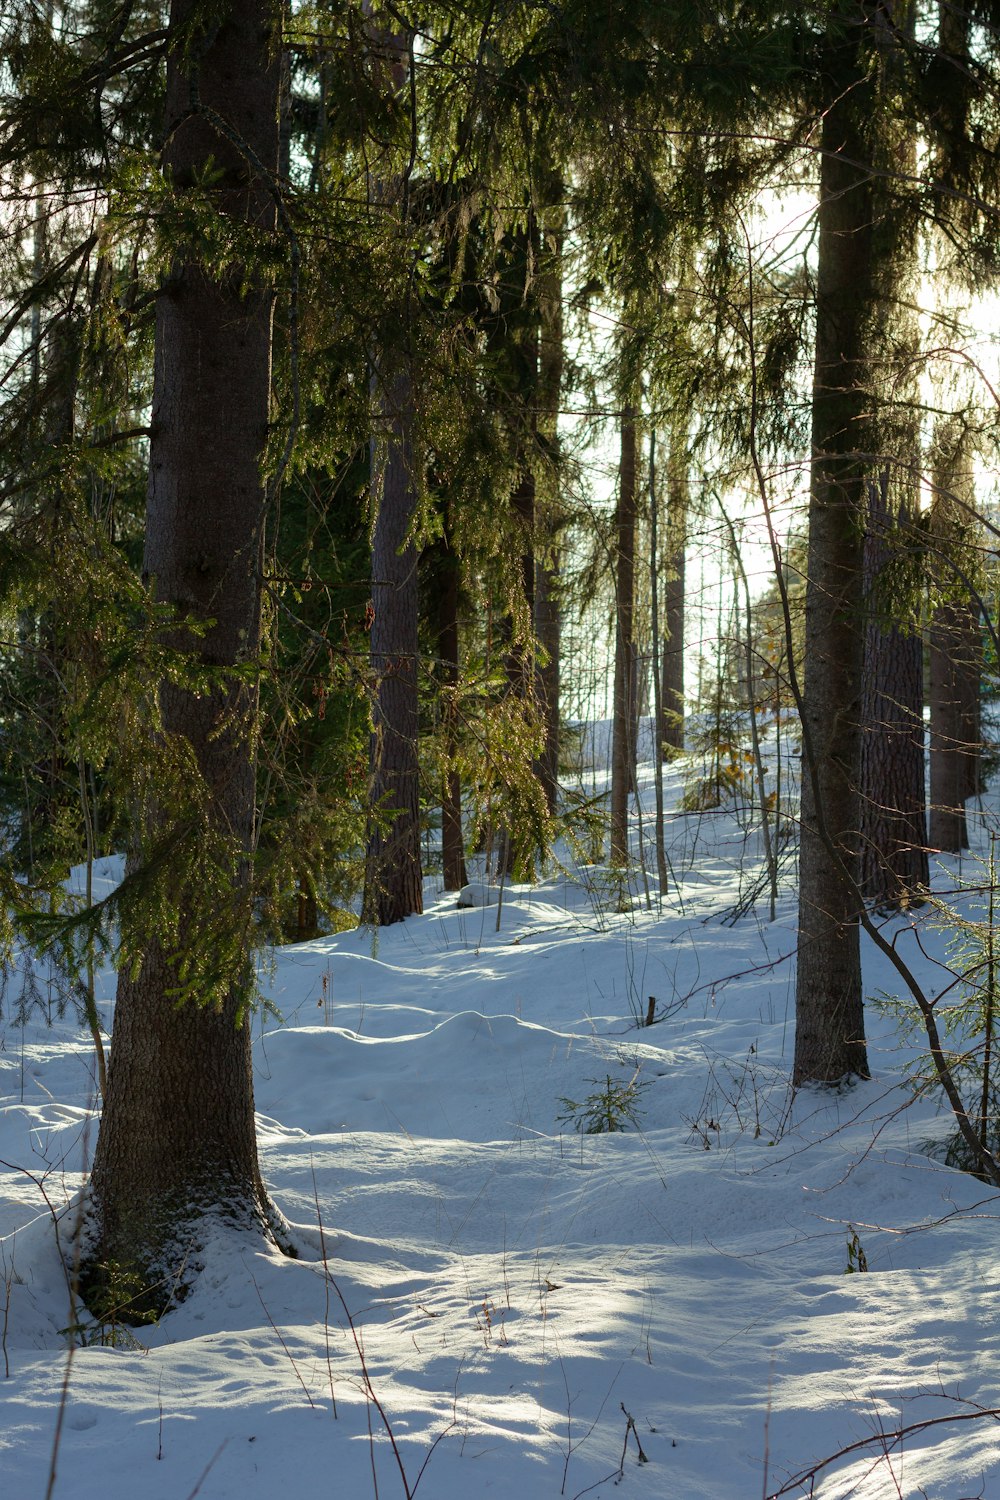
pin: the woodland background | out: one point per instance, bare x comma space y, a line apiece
373, 381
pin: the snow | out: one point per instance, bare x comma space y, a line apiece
517, 1289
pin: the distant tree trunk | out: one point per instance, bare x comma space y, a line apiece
970, 665
623, 729
893, 863
53, 780
548, 607
950, 751
393, 870
654, 600
672, 679
829, 1036
520, 658
516, 856
519, 661
955, 647
452, 839
176, 1142
306, 911
548, 629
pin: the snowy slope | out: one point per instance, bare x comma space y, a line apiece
497, 1280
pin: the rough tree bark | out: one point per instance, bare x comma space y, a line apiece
393, 872
623, 729
177, 1142
393, 868
893, 861
893, 857
829, 1035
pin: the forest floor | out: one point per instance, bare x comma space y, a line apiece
512, 1306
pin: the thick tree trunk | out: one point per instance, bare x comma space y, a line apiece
893, 868
672, 676
623, 729
177, 1141
393, 870
829, 1036
394, 875
893, 857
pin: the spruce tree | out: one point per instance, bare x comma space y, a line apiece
893, 870
829, 1029
893, 834
177, 1141
624, 718
671, 726
394, 874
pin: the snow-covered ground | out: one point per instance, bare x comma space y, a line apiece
503, 1293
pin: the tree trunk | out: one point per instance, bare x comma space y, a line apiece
955, 646
548, 607
306, 911
672, 677
893, 859
969, 661
548, 629
623, 729
950, 750
516, 855
893, 868
393, 870
829, 1036
520, 657
654, 605
519, 661
393, 873
177, 1142
452, 839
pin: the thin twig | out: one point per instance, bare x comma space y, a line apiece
208, 1469
371, 1392
808, 1476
